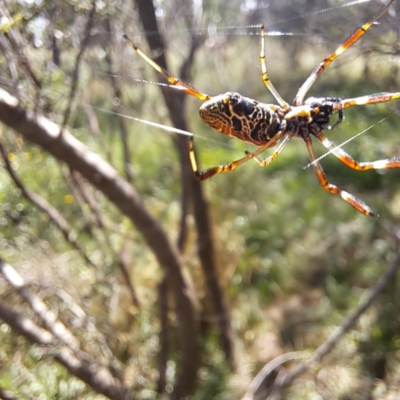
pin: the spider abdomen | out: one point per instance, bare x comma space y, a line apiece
241, 117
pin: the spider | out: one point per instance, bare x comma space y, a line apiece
267, 125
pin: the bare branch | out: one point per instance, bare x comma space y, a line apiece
117, 108
47, 316
11, 63
15, 40
190, 360
95, 375
264, 379
75, 76
125, 263
83, 190
104, 177
5, 395
94, 128
58, 220
337, 335
87, 222
175, 101
163, 354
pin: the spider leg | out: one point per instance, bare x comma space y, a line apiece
208, 173
172, 80
369, 99
273, 156
265, 77
321, 67
346, 158
349, 198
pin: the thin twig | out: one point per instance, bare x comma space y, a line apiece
53, 17
163, 354
264, 379
94, 128
337, 335
190, 358
58, 220
6, 395
75, 76
11, 64
104, 177
95, 375
15, 40
87, 222
58, 329
83, 190
125, 263
117, 108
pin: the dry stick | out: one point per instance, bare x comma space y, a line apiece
75, 76
122, 256
326, 347
11, 64
206, 249
190, 359
95, 375
54, 14
187, 177
94, 128
124, 262
104, 177
15, 40
58, 329
118, 94
6, 395
262, 381
323, 390
83, 196
77, 179
89, 325
163, 354
58, 220
87, 221
174, 101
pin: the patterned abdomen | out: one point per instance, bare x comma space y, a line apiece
241, 117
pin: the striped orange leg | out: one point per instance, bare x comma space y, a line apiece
368, 99
349, 198
273, 156
208, 173
265, 77
346, 158
321, 67
172, 80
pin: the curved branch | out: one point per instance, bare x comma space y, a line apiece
96, 376
104, 177
337, 335
54, 215
262, 382
49, 318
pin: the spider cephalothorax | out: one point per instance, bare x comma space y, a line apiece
267, 125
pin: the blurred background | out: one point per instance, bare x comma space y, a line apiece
288, 262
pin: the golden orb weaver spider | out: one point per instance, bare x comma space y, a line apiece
266, 125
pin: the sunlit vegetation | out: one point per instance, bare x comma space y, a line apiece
292, 260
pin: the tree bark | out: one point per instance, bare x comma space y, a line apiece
175, 102
96, 376
104, 177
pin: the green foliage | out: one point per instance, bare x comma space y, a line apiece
293, 259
